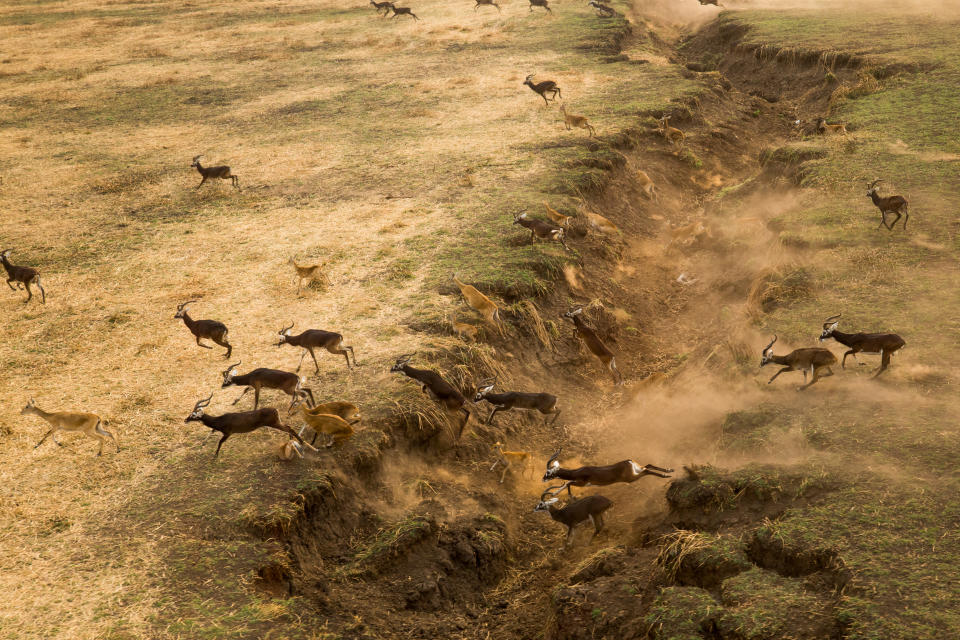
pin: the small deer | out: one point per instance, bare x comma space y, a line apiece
221, 173
487, 3
385, 7
465, 330
317, 339
541, 229
510, 458
23, 276
242, 422
556, 217
308, 272
439, 390
483, 305
594, 343
602, 9
672, 134
646, 184
571, 121
891, 204
624, 471
577, 512
87, 423
812, 359
830, 129
547, 86
290, 383
403, 11
209, 329
333, 426
884, 345
545, 403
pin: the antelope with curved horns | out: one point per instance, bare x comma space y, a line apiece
545, 403
317, 339
594, 343
23, 276
439, 390
891, 204
547, 86
241, 422
884, 345
623, 471
290, 383
211, 329
574, 513
812, 359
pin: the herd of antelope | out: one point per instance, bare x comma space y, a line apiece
336, 420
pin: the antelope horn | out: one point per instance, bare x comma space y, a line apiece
827, 322
554, 457
874, 183
543, 496
181, 306
406, 356
202, 403
529, 77
285, 329
234, 365
767, 348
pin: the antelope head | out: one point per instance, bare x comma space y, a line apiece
229, 374
517, 217
285, 333
29, 408
197, 412
829, 326
573, 312
872, 187
553, 464
767, 356
182, 309
401, 362
485, 387
196, 161
529, 79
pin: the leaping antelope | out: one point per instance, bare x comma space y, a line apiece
211, 329
812, 359
221, 173
891, 204
88, 423
872, 344
23, 276
623, 471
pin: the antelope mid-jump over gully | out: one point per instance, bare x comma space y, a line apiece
623, 471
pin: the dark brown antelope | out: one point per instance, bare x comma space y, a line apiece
623, 471
486, 3
594, 343
547, 86
602, 9
209, 329
809, 359
403, 11
545, 403
386, 7
316, 339
241, 422
540, 3
219, 173
23, 276
577, 512
290, 383
541, 229
89, 424
884, 345
888, 204
439, 390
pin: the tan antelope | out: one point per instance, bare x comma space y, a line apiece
572, 121
333, 426
480, 303
674, 135
594, 343
809, 359
556, 217
830, 129
601, 224
510, 458
309, 272
87, 423
465, 330
646, 184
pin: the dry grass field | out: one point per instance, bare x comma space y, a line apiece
397, 151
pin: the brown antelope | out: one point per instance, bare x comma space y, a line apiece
601, 224
594, 343
884, 345
23, 276
545, 403
386, 7
646, 184
308, 272
439, 390
210, 329
346, 410
465, 330
812, 359
87, 423
510, 458
577, 512
487, 3
688, 234
540, 3
221, 173
547, 86
404, 11
317, 339
483, 305
891, 204
830, 129
241, 422
571, 121
333, 426
290, 383
289, 449
624, 471
556, 217
602, 9
672, 134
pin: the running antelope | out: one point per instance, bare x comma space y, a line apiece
547, 86
541, 229
241, 422
210, 329
220, 173
891, 204
556, 217
674, 135
572, 121
601, 224
884, 345
602, 9
308, 272
87, 423
439, 390
483, 305
403, 11
646, 184
594, 343
812, 359
317, 339
830, 129
333, 426
509, 458
540, 3
386, 7
545, 403
577, 512
290, 383
487, 3
23, 276
623, 471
